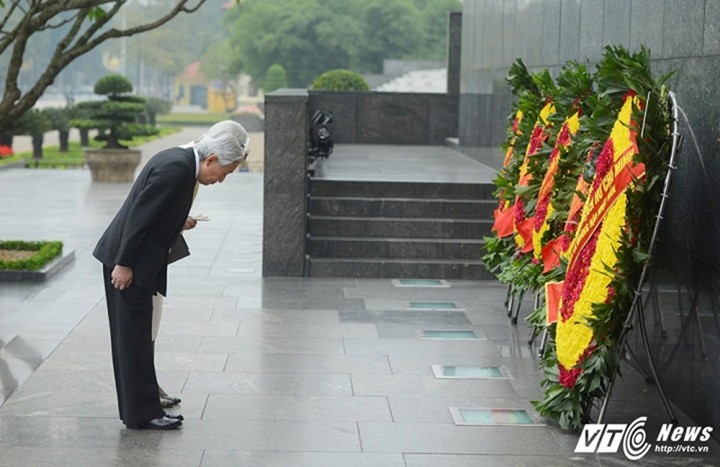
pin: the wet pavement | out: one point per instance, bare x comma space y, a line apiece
271, 371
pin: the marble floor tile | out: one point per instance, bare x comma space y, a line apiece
268, 383
64, 380
277, 316
261, 344
412, 331
410, 385
435, 407
418, 347
441, 438
308, 364
213, 458
93, 457
421, 365
339, 330
468, 460
264, 435
284, 407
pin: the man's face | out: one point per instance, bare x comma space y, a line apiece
212, 172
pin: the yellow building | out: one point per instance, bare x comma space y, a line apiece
191, 88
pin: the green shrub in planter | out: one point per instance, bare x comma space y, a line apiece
340, 80
116, 118
44, 253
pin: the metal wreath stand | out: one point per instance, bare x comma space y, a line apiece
637, 307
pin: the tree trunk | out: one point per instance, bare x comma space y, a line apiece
37, 143
151, 118
64, 135
84, 137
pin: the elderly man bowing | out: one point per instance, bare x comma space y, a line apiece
134, 252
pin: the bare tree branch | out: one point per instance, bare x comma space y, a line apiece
85, 33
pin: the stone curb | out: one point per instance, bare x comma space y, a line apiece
40, 275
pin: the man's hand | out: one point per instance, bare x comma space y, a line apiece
190, 223
121, 277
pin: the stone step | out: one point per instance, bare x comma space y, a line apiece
381, 189
473, 229
402, 207
398, 268
422, 248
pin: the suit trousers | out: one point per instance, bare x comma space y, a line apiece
130, 315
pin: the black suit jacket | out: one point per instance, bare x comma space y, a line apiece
151, 218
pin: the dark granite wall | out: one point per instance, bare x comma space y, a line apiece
389, 118
285, 179
683, 35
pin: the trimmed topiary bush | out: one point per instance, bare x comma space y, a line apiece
116, 118
340, 80
275, 78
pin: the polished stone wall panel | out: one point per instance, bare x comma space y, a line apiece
533, 12
492, 34
616, 22
508, 35
404, 114
683, 28
454, 32
522, 37
551, 20
646, 25
569, 30
284, 183
388, 118
443, 118
591, 29
711, 39
468, 43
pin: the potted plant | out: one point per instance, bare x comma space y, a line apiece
115, 119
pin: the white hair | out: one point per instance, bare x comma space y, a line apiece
228, 140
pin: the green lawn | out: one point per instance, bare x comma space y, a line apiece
53, 158
192, 118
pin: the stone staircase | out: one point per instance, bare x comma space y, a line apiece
398, 229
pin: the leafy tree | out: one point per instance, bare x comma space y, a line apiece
85, 24
311, 36
396, 31
165, 51
275, 78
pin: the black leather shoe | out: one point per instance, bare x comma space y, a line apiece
161, 423
174, 417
